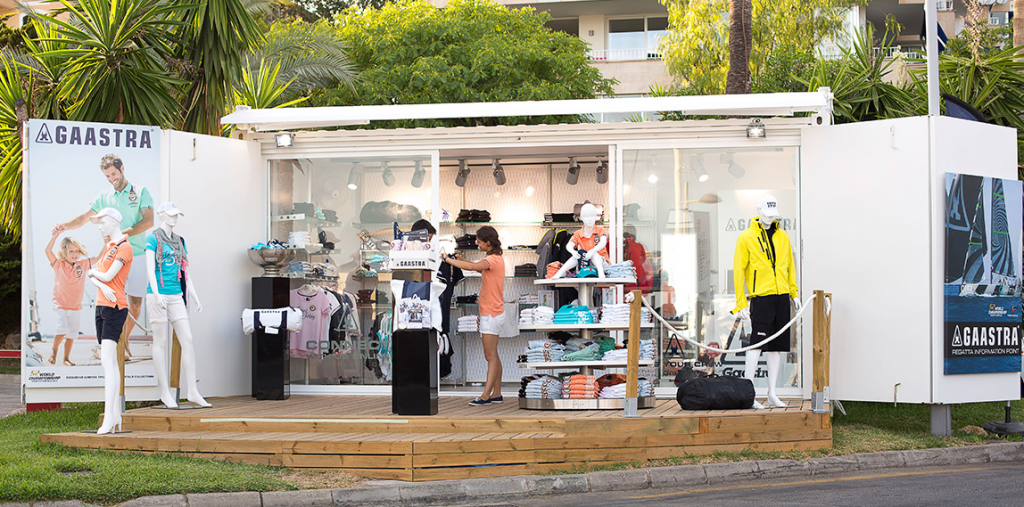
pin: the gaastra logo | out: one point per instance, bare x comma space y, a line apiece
92, 136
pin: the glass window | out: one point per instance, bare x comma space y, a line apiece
343, 209
683, 213
635, 38
569, 26
656, 29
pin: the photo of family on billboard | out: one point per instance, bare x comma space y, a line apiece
90, 201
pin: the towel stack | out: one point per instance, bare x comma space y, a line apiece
544, 351
469, 324
544, 388
580, 387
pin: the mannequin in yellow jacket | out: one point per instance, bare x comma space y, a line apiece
763, 268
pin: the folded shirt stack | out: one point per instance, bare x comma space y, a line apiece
526, 270
466, 300
544, 388
466, 241
553, 269
573, 314
623, 269
473, 215
544, 351
469, 324
299, 239
589, 352
529, 299
619, 313
526, 316
523, 382
580, 387
615, 355
643, 389
559, 217
576, 343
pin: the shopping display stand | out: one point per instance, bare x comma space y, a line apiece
414, 382
585, 287
271, 376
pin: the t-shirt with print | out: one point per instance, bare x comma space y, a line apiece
492, 287
69, 283
120, 251
129, 202
167, 267
589, 242
316, 311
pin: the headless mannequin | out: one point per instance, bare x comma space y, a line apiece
773, 359
109, 228
161, 337
588, 215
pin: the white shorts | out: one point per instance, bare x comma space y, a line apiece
175, 311
491, 325
68, 323
137, 279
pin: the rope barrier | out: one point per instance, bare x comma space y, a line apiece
676, 332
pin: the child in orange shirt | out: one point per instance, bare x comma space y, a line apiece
69, 266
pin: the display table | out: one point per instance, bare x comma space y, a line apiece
584, 286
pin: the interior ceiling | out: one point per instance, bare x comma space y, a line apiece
539, 155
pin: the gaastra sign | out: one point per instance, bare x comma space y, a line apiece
115, 137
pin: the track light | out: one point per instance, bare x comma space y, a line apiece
756, 130
574, 172
499, 172
602, 171
734, 169
284, 139
418, 174
353, 176
460, 179
386, 174
697, 163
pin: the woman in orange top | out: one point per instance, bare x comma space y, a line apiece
492, 307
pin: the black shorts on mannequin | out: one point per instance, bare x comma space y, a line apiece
769, 314
110, 323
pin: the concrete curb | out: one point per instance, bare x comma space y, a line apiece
390, 493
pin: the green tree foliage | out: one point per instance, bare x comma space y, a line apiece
10, 284
696, 49
470, 51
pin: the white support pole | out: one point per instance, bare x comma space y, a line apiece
931, 23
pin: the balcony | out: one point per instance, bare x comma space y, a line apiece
623, 55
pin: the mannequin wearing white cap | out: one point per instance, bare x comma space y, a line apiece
592, 238
763, 268
165, 303
109, 277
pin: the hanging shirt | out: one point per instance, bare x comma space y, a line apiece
168, 267
589, 242
316, 309
120, 251
69, 283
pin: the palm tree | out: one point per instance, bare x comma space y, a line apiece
13, 88
740, 39
1018, 23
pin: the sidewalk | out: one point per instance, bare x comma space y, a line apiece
10, 394
394, 493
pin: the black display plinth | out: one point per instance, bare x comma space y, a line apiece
414, 372
270, 361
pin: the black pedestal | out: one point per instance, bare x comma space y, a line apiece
414, 372
270, 361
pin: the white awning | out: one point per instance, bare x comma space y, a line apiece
760, 104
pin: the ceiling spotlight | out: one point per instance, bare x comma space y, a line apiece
602, 171
652, 178
418, 174
284, 139
734, 169
499, 172
697, 163
756, 130
386, 174
353, 176
460, 179
574, 172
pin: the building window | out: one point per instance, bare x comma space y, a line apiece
635, 38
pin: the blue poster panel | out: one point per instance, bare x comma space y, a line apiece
983, 275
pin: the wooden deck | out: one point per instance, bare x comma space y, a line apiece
359, 434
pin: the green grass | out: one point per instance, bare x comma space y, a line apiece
867, 427
30, 471
10, 366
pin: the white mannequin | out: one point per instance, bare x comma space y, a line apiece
109, 228
766, 216
161, 339
588, 215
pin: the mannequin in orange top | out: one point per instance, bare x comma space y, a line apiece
592, 238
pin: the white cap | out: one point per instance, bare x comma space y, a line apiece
169, 208
106, 212
768, 206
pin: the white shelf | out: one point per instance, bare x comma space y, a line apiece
569, 365
573, 282
617, 326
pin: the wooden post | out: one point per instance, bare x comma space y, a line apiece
633, 356
822, 338
175, 378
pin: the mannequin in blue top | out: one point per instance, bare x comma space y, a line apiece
167, 269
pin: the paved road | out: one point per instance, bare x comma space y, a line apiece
982, 485
10, 394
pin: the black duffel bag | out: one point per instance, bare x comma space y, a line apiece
716, 393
